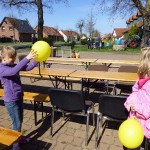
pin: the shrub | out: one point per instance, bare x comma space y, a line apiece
5, 39
72, 44
83, 41
49, 40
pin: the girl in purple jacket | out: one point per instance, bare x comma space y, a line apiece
138, 103
13, 93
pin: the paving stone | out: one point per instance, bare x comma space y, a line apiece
65, 138
71, 147
78, 141
114, 147
107, 139
70, 131
80, 134
103, 146
74, 125
91, 145
60, 146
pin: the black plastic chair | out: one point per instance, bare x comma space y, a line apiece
97, 84
125, 87
111, 107
70, 101
147, 144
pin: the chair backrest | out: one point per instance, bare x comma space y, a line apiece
98, 67
132, 69
113, 107
68, 100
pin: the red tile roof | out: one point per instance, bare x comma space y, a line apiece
138, 14
51, 31
134, 17
109, 35
127, 22
130, 19
120, 31
70, 33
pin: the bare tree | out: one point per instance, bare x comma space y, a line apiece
96, 33
90, 24
33, 4
80, 25
123, 7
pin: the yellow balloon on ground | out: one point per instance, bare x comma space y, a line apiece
43, 50
131, 133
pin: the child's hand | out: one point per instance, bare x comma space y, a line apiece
32, 55
131, 107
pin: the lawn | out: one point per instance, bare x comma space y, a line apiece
84, 48
78, 47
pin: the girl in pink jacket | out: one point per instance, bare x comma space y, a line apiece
138, 103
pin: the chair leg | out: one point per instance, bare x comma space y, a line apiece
97, 130
93, 113
87, 129
52, 121
114, 89
146, 144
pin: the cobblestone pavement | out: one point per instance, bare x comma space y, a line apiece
71, 135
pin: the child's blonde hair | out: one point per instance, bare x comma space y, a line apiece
144, 67
8, 51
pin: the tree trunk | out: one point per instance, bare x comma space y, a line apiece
146, 28
40, 19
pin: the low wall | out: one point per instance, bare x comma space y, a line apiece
119, 47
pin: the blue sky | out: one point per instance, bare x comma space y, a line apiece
66, 16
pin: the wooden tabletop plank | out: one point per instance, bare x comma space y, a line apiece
114, 76
48, 72
61, 59
127, 62
8, 136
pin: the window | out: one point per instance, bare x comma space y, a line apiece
11, 28
3, 28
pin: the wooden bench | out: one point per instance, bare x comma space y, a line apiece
49, 63
36, 98
8, 137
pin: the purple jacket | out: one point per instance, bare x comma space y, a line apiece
9, 75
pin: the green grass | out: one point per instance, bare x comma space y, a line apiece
80, 48
84, 48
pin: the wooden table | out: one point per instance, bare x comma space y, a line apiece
54, 74
8, 137
121, 62
85, 61
113, 76
100, 75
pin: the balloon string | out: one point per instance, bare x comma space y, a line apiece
133, 113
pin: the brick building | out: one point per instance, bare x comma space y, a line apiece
16, 29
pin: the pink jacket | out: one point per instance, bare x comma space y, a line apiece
140, 98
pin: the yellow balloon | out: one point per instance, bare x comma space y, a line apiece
131, 133
43, 50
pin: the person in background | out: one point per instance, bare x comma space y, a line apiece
89, 42
138, 103
13, 92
